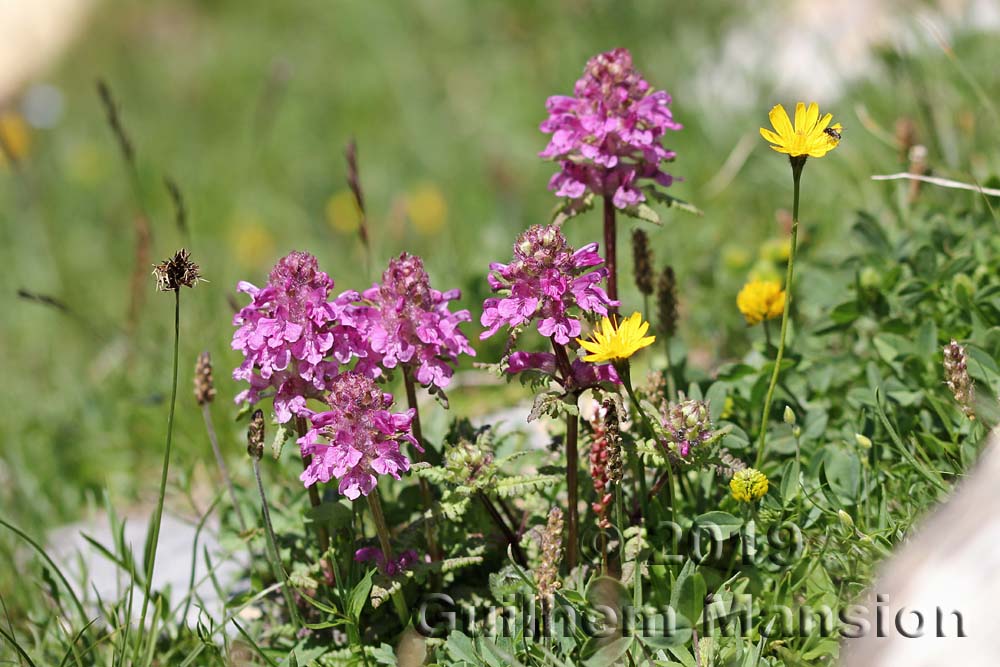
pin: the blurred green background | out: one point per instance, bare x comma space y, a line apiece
248, 107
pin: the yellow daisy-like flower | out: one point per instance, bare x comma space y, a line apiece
748, 485
617, 341
811, 136
761, 300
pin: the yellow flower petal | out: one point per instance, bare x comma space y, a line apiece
617, 341
808, 137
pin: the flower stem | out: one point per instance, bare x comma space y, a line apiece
620, 520
154, 536
375, 505
671, 382
625, 375
610, 250
206, 414
322, 534
572, 470
425, 489
512, 538
797, 164
272, 548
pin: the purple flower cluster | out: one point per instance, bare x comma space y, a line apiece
293, 338
410, 323
546, 281
689, 426
584, 374
393, 566
357, 439
607, 137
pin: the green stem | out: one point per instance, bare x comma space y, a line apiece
797, 164
272, 548
154, 537
620, 519
671, 383
625, 375
375, 505
572, 483
610, 250
322, 534
206, 414
425, 490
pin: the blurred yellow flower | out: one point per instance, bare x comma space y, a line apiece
15, 136
735, 257
761, 300
776, 250
427, 209
748, 485
342, 212
253, 244
811, 136
617, 341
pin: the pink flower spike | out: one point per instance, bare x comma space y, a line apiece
357, 439
607, 136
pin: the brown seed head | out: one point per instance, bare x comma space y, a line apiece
642, 262
613, 434
204, 387
666, 298
255, 435
547, 573
956, 376
176, 272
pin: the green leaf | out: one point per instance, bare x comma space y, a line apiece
610, 653
644, 212
789, 487
359, 596
461, 647
727, 524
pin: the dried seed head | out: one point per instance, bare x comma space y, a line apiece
255, 435
956, 376
642, 262
666, 298
612, 433
547, 572
204, 387
176, 272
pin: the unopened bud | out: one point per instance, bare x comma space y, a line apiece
789, 416
845, 519
863, 441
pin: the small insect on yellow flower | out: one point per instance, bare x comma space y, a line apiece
748, 485
761, 300
811, 136
617, 341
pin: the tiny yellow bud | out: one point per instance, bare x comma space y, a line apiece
863, 441
845, 519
